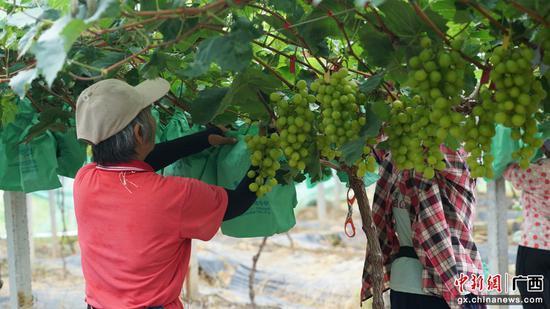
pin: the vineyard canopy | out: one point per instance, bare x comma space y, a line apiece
420, 71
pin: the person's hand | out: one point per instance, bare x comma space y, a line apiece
217, 139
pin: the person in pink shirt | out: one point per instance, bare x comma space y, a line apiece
533, 256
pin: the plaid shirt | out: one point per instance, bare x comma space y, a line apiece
440, 211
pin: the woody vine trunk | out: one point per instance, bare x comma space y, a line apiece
373, 251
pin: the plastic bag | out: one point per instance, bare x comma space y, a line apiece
270, 214
38, 164
202, 166
29, 166
71, 153
159, 132
502, 147
10, 179
368, 179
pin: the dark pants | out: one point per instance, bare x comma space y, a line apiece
402, 300
531, 261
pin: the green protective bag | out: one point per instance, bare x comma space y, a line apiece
9, 161
310, 184
368, 179
38, 164
159, 132
202, 166
10, 136
71, 153
270, 214
502, 147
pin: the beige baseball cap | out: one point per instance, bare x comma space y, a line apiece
108, 106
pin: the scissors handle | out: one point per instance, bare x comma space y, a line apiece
349, 219
349, 222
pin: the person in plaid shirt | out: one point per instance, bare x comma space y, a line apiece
425, 233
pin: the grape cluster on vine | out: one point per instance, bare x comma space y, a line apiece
517, 96
478, 131
419, 125
341, 117
295, 124
265, 153
367, 162
437, 73
412, 137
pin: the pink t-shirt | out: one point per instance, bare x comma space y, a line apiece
135, 229
535, 199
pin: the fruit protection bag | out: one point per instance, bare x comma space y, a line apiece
271, 214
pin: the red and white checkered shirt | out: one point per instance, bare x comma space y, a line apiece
441, 211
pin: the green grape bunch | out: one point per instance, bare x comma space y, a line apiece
425, 122
478, 131
367, 162
341, 118
295, 124
414, 137
437, 73
517, 97
265, 153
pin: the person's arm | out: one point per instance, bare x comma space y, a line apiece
169, 152
240, 199
206, 206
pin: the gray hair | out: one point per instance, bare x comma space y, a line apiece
121, 147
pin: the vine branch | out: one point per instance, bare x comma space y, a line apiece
287, 56
289, 27
486, 14
186, 11
255, 259
272, 71
381, 26
534, 15
443, 36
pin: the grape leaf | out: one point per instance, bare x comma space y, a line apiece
313, 165
52, 46
402, 20
315, 31
148, 5
52, 118
247, 89
293, 9
8, 110
20, 82
381, 109
26, 41
106, 8
371, 83
352, 151
25, 18
72, 31
62, 5
232, 52
372, 127
376, 45
207, 105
